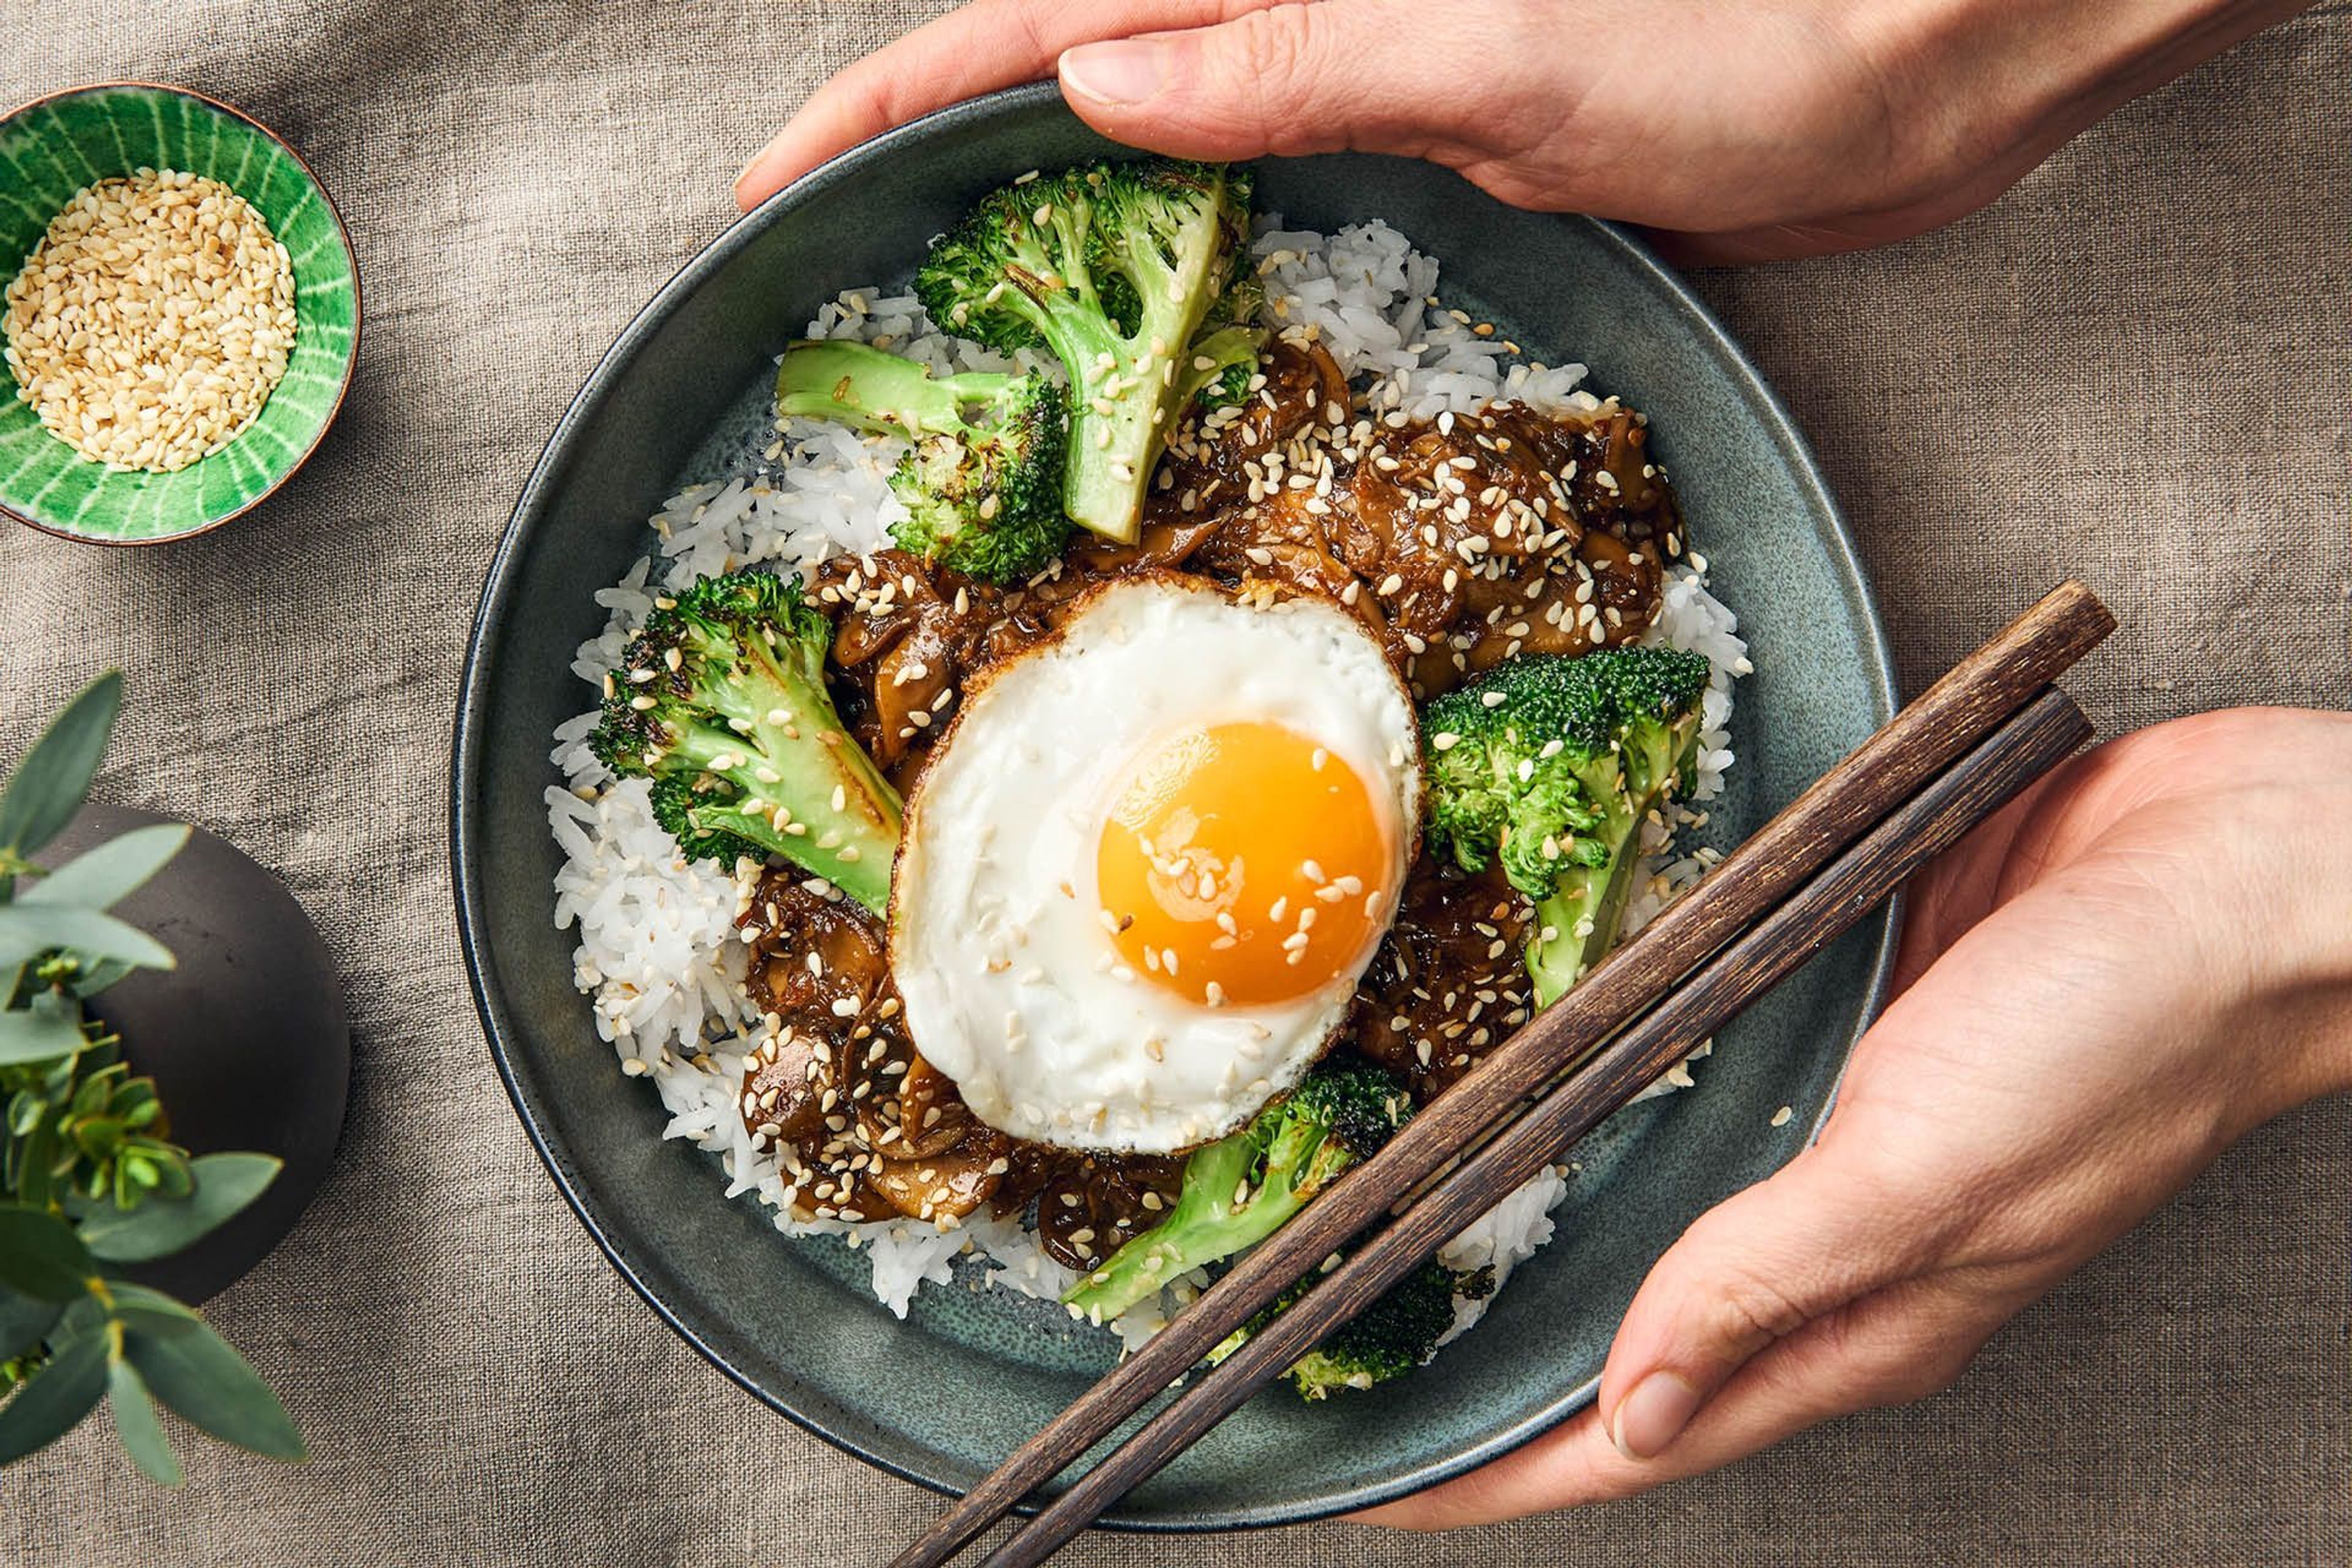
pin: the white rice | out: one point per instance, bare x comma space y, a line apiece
655, 952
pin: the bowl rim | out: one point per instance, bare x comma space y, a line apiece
351, 355
469, 741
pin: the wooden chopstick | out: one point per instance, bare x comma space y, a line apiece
2044, 734
1946, 720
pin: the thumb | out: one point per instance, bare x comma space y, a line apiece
1758, 1266
1295, 78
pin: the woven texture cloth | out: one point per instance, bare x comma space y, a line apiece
2133, 368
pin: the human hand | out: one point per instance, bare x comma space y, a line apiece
1743, 130
2135, 963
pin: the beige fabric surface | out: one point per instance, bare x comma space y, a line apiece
2135, 367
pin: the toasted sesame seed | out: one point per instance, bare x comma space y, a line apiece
152, 322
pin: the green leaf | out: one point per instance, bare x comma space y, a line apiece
196, 1373
49, 1029
135, 1423
24, 1322
99, 1136
173, 1179
53, 1398
55, 774
97, 974
29, 929
40, 1255
92, 1092
36, 1164
86, 1316
225, 1184
149, 1310
97, 878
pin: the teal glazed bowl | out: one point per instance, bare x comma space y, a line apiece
792, 1320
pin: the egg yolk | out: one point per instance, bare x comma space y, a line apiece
1244, 864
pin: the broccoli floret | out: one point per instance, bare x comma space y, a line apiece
1218, 372
982, 481
1227, 388
1550, 763
720, 700
1241, 1189
1114, 267
1223, 356
1388, 1339
1224, 351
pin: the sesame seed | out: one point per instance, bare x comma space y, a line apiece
153, 321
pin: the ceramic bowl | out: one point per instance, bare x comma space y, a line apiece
943, 1396
246, 1036
55, 146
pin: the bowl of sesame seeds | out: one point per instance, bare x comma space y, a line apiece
180, 317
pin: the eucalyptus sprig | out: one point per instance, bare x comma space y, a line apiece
89, 1178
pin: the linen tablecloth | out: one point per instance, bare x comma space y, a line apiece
2135, 367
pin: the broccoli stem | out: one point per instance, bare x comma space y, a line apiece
1237, 1192
856, 384
1576, 923
1585, 907
1217, 1213
840, 817
1112, 457
1114, 435
1243, 1188
1115, 267
720, 700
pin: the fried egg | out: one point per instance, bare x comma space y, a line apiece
1148, 863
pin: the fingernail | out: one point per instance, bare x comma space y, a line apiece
1652, 1415
1124, 72
753, 163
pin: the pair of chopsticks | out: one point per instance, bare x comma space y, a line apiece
1947, 762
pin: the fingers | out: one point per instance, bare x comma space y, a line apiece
1297, 78
1197, 78
976, 48
1788, 1303
1755, 1270
1954, 892
1900, 1344
1808, 1296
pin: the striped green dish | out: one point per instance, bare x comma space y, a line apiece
53, 147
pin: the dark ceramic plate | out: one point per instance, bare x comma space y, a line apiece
943, 1395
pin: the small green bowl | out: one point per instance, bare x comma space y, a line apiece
53, 147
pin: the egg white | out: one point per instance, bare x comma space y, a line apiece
1011, 985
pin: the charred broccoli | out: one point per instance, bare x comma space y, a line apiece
1115, 267
1386, 1339
1241, 1189
982, 481
1550, 763
721, 700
